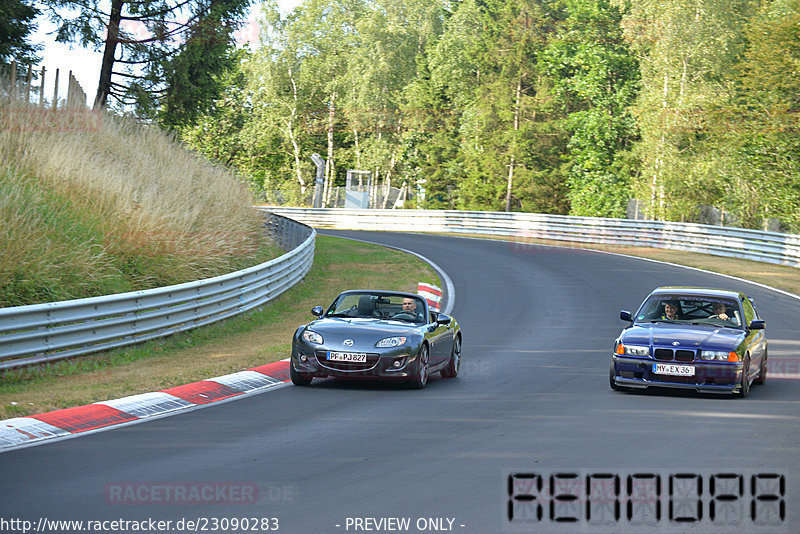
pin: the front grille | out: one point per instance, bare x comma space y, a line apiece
664, 354
681, 355
372, 361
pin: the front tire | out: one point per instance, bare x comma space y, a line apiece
454, 365
744, 388
611, 381
299, 379
762, 374
420, 378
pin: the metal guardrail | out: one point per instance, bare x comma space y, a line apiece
770, 247
47, 332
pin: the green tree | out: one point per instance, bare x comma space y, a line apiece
282, 98
324, 34
216, 132
16, 24
758, 138
193, 78
688, 50
484, 69
392, 38
140, 38
445, 84
596, 78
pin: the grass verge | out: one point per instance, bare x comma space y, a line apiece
255, 339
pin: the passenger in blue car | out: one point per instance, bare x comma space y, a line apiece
720, 311
672, 310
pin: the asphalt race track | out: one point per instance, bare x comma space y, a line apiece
531, 412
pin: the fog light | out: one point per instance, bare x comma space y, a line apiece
398, 363
303, 358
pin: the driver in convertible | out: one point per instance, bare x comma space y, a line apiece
409, 309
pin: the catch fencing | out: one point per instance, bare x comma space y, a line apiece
770, 247
29, 86
42, 333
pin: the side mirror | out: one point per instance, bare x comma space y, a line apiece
625, 316
757, 324
443, 319
317, 311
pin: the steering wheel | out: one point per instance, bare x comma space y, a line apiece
404, 315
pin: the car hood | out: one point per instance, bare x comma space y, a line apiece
370, 330
686, 335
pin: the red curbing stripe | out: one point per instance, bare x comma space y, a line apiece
83, 418
276, 370
202, 392
428, 288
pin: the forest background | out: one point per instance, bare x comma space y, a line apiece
550, 106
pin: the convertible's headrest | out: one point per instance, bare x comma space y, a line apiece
365, 305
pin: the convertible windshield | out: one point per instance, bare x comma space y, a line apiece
406, 308
691, 309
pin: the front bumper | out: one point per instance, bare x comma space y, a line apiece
389, 364
717, 377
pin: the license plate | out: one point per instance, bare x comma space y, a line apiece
673, 370
356, 357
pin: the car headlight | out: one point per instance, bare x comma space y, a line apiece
312, 337
720, 355
633, 350
390, 342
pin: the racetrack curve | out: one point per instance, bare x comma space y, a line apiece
533, 396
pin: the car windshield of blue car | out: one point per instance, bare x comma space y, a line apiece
404, 308
690, 309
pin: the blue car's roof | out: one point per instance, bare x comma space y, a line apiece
698, 291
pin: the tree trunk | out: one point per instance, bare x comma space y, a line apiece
290, 127
510, 185
657, 183
112, 38
329, 170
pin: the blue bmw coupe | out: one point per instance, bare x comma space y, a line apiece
709, 340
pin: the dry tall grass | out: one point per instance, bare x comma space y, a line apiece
103, 197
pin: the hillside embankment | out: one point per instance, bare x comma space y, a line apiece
93, 204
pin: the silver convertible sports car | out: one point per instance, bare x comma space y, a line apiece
385, 335
709, 340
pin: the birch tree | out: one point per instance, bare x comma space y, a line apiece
687, 50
